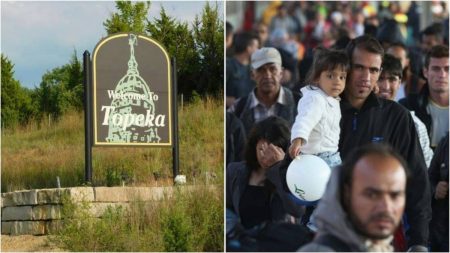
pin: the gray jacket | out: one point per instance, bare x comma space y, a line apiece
242, 109
331, 219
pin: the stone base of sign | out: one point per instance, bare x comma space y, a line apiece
38, 212
29, 227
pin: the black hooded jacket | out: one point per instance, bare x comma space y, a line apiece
439, 172
381, 120
418, 103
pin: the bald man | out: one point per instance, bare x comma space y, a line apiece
363, 203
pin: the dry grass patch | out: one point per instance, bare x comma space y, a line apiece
33, 156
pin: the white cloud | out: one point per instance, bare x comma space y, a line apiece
38, 36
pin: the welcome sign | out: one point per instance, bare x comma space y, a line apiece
132, 92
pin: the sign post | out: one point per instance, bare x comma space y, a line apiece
134, 94
175, 161
87, 118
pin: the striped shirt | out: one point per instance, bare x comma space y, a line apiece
261, 111
423, 139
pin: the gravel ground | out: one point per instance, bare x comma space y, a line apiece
26, 243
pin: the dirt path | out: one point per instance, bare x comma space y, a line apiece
26, 243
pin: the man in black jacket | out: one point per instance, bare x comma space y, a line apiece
366, 118
438, 173
235, 139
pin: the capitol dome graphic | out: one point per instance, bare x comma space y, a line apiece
132, 99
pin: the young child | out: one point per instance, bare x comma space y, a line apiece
316, 128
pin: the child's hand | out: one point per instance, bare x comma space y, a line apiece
294, 149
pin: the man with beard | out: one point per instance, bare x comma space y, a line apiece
367, 119
268, 98
363, 203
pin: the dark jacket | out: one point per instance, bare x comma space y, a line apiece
238, 78
235, 137
381, 120
272, 235
418, 103
438, 171
238, 175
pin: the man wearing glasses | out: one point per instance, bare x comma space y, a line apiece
367, 118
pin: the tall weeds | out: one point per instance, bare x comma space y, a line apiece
34, 155
184, 222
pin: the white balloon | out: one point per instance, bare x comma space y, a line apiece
307, 177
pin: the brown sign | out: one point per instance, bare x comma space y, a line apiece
132, 92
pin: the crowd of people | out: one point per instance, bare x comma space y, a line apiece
348, 83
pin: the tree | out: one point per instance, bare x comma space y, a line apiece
209, 39
28, 109
10, 92
179, 42
198, 51
51, 92
16, 101
75, 82
61, 89
130, 18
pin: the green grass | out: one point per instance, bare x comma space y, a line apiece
185, 222
34, 155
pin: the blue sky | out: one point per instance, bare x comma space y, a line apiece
39, 36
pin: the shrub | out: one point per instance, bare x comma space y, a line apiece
182, 222
176, 228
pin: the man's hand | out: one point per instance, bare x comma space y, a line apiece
294, 149
441, 190
270, 154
